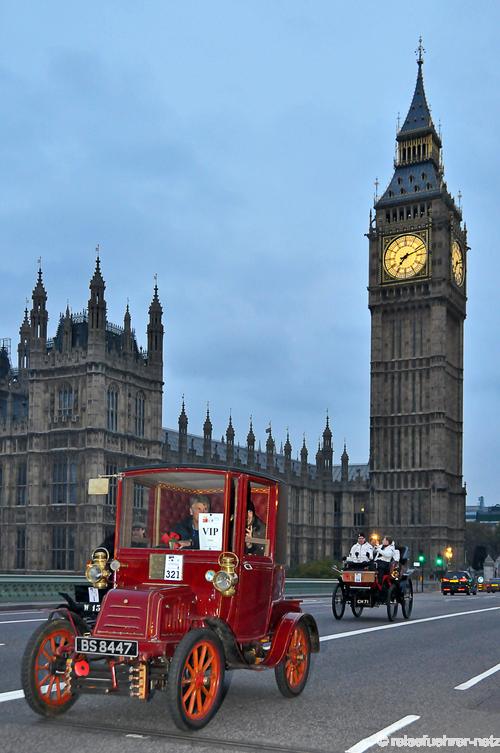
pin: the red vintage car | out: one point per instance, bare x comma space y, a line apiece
197, 576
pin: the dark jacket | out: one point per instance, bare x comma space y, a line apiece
187, 532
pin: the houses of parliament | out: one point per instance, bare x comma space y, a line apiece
88, 400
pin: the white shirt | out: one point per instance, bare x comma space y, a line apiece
361, 553
387, 553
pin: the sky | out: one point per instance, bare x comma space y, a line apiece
231, 148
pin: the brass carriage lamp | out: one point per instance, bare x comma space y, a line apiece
98, 571
226, 578
448, 553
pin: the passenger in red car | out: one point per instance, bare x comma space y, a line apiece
255, 529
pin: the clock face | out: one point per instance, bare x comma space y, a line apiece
457, 263
405, 257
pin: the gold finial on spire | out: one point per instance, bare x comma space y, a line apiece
420, 50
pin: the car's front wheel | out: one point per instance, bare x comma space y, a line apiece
43, 669
196, 679
292, 672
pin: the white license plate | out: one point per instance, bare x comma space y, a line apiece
105, 647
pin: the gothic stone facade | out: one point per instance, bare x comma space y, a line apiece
88, 402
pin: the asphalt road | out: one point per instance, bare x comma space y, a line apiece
369, 675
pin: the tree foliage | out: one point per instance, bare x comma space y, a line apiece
314, 569
481, 539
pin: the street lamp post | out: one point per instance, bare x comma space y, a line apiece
448, 553
421, 559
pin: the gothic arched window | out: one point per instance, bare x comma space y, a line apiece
65, 401
140, 401
112, 409
64, 480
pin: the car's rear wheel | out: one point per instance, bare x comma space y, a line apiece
407, 599
392, 603
356, 609
196, 679
43, 669
292, 672
338, 602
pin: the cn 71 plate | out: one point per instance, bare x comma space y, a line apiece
105, 646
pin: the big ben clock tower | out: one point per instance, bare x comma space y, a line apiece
417, 300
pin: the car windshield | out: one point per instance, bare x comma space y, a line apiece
159, 509
457, 574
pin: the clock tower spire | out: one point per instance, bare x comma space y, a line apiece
417, 300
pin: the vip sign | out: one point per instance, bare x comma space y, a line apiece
210, 530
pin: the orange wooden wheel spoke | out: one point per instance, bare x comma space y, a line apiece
43, 681
203, 653
50, 685
200, 700
207, 664
188, 692
58, 688
192, 701
47, 656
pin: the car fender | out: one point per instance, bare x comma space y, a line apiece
283, 633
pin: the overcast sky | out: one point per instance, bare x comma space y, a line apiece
232, 148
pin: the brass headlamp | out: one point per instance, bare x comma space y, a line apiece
98, 571
226, 578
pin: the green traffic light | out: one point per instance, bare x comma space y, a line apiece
439, 561
421, 558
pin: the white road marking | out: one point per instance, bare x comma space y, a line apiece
26, 611
12, 695
404, 624
15, 622
478, 678
368, 742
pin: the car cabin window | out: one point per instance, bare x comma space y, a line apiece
257, 543
158, 510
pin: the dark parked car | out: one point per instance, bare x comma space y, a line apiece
458, 581
490, 586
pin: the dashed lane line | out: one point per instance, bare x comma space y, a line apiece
383, 734
350, 633
12, 695
478, 678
